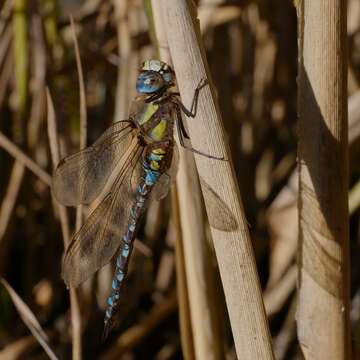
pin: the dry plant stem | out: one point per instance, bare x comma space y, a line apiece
55, 156
18, 171
83, 112
29, 320
284, 207
5, 76
323, 310
122, 99
153, 223
38, 64
286, 336
354, 198
5, 41
9, 200
233, 248
17, 348
5, 13
164, 276
187, 340
354, 117
21, 64
199, 276
283, 210
275, 298
22, 158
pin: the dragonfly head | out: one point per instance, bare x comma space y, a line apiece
155, 76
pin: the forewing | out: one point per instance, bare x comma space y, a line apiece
101, 235
79, 178
219, 214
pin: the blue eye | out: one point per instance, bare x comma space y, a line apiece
149, 82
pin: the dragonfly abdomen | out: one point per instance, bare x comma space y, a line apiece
151, 167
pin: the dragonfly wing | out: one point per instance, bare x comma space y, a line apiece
101, 235
161, 188
219, 214
79, 178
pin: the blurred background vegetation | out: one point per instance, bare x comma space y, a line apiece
252, 51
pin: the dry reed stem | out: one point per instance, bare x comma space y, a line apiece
38, 63
199, 276
77, 343
83, 112
132, 336
9, 200
5, 41
284, 207
122, 98
233, 248
323, 307
18, 170
55, 156
276, 297
354, 198
6, 75
186, 334
286, 336
283, 210
22, 158
21, 56
5, 14
164, 276
153, 223
213, 14
354, 117
29, 320
17, 348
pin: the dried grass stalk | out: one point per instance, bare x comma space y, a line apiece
21, 56
186, 334
55, 156
83, 111
233, 248
199, 279
30, 320
122, 98
284, 207
9, 200
22, 158
323, 310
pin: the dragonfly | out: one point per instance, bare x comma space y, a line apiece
143, 154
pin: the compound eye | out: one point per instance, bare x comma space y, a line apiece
150, 81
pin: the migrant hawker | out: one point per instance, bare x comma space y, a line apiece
143, 154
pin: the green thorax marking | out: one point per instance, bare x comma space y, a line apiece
156, 127
159, 131
147, 112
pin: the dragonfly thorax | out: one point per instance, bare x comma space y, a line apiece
154, 119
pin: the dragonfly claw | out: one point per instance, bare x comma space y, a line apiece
202, 83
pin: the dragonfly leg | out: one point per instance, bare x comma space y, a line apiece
182, 134
181, 127
192, 112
